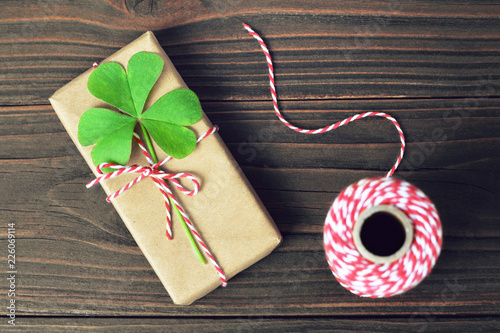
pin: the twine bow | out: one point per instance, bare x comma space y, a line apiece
159, 177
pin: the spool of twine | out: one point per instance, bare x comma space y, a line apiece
382, 237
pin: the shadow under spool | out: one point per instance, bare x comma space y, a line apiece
382, 234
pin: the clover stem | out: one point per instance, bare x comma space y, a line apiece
148, 143
186, 228
190, 236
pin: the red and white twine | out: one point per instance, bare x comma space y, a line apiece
159, 178
361, 276
354, 272
329, 127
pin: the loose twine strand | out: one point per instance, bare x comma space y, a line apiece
326, 128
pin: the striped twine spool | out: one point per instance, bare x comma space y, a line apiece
367, 278
356, 268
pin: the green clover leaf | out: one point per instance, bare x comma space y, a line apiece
165, 120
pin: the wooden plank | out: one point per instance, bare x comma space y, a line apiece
343, 51
255, 324
77, 258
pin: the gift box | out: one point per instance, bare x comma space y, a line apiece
226, 211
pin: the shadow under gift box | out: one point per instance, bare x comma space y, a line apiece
227, 213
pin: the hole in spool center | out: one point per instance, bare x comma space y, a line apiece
382, 234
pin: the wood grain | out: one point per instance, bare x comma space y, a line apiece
433, 65
254, 324
77, 257
340, 54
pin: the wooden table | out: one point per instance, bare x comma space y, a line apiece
433, 65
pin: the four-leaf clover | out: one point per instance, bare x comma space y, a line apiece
165, 120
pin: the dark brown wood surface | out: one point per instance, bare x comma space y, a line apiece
433, 65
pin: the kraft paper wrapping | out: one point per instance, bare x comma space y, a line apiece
226, 211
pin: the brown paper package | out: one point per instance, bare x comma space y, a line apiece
227, 212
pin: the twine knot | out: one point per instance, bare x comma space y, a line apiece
157, 175
148, 172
